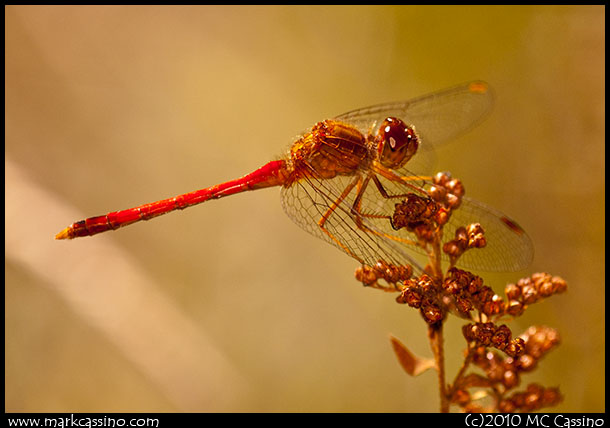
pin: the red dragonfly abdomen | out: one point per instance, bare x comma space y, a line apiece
274, 173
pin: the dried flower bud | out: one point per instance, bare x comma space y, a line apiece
484, 294
441, 178
476, 236
512, 292
366, 275
463, 305
431, 313
551, 397
501, 337
538, 285
411, 296
402, 298
461, 234
380, 267
455, 187
468, 330
484, 332
539, 278
426, 283
437, 193
546, 289
559, 285
442, 216
514, 308
493, 306
533, 397
506, 406
509, 363
526, 363
518, 400
452, 201
475, 284
539, 340
452, 249
495, 372
406, 271
452, 285
416, 213
424, 232
516, 347
480, 354
529, 294
510, 379
392, 274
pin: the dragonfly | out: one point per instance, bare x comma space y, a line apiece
340, 181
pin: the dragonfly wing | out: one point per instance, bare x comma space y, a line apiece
308, 200
508, 248
367, 234
437, 117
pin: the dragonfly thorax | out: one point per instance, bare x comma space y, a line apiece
330, 149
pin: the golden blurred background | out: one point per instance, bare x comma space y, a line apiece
229, 306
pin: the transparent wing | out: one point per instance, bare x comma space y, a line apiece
437, 117
508, 248
367, 234
308, 200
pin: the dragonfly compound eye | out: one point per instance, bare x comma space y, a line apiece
397, 142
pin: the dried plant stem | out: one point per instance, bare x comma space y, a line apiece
461, 372
435, 335
489, 386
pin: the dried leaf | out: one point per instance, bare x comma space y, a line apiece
412, 364
475, 380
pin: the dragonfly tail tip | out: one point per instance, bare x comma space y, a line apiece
64, 234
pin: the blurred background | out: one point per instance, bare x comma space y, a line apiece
229, 306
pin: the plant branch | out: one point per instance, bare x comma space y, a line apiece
435, 335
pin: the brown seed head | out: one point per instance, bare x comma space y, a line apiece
529, 294
516, 347
525, 363
431, 313
512, 292
502, 337
366, 275
441, 178
514, 308
510, 379
506, 406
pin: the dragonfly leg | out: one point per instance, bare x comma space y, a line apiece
358, 218
356, 209
386, 195
385, 269
434, 251
361, 183
322, 222
392, 176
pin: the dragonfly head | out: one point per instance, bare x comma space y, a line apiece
396, 141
